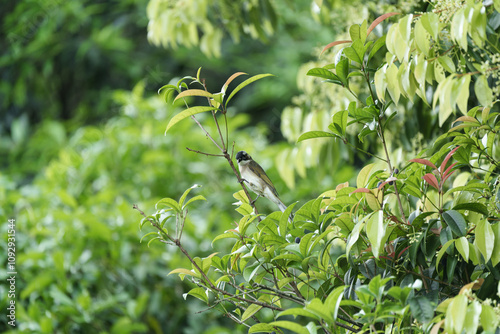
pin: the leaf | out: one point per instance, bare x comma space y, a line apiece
448, 156
342, 70
199, 293
485, 239
298, 311
332, 302
184, 195
421, 308
379, 43
195, 198
185, 272
378, 20
261, 328
187, 113
292, 326
169, 203
476, 207
314, 134
456, 222
250, 311
231, 78
322, 73
193, 92
332, 44
246, 83
462, 245
455, 314
424, 162
431, 179
375, 230
483, 91
442, 251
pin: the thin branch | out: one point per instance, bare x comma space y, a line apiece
204, 153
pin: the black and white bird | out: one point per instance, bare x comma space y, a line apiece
257, 180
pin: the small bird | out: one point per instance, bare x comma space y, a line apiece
257, 180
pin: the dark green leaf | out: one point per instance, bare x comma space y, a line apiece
456, 222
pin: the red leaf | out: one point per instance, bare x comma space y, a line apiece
360, 190
448, 170
392, 178
446, 177
448, 156
431, 179
424, 162
378, 20
231, 78
332, 44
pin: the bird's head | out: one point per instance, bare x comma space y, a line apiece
243, 156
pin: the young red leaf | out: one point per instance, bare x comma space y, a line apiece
360, 190
378, 20
231, 78
431, 179
447, 176
448, 170
332, 44
424, 162
448, 156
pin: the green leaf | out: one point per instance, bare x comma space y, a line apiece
375, 230
195, 198
471, 322
187, 113
339, 123
298, 311
379, 43
430, 21
225, 236
246, 83
421, 308
199, 293
462, 245
442, 251
332, 302
455, 314
353, 237
485, 239
495, 256
251, 310
456, 222
193, 92
483, 91
183, 197
261, 328
476, 207
169, 203
320, 309
314, 134
342, 69
322, 73
489, 319
184, 272
292, 326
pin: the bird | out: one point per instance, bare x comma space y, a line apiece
257, 180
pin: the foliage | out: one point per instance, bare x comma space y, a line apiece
419, 243
80, 265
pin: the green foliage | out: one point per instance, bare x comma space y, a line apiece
413, 248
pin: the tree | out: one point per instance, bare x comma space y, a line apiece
420, 242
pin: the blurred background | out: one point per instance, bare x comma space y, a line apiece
82, 139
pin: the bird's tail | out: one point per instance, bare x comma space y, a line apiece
282, 207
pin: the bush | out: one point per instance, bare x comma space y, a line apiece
420, 243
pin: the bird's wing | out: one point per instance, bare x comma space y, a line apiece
258, 170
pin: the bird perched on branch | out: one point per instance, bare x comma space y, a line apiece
257, 180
